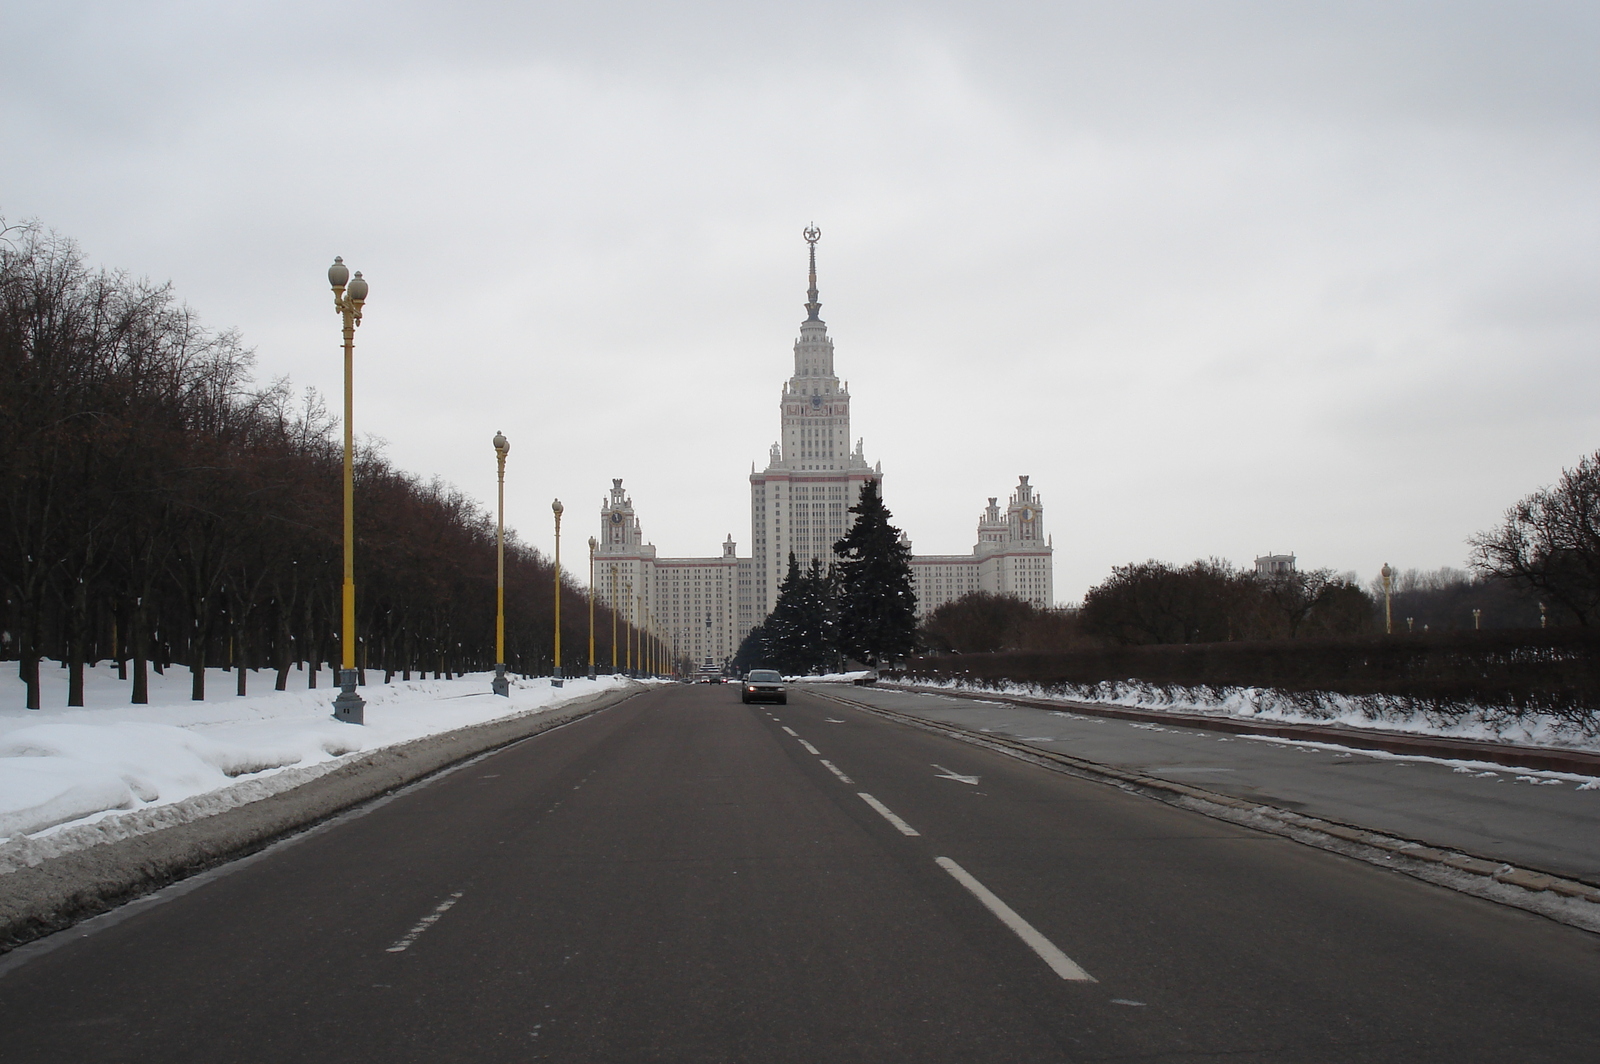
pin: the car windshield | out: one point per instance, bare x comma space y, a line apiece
765, 676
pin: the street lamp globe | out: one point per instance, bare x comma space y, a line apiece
338, 273
502, 446
358, 288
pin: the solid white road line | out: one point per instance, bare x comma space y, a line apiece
905, 829
831, 767
810, 749
1059, 962
425, 923
790, 731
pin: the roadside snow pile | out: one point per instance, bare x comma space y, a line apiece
112, 770
832, 677
1372, 712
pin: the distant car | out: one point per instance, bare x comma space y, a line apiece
764, 685
712, 678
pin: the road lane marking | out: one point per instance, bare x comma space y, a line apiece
831, 767
790, 730
424, 923
810, 749
905, 829
946, 774
830, 720
1059, 962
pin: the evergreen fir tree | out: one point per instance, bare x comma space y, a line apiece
877, 608
782, 625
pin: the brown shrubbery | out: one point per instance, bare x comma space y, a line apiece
1508, 673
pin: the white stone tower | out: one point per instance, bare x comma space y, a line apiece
800, 502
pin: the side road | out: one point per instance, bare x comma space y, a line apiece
1525, 839
1508, 754
63, 890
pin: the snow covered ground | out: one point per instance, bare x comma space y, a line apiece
1266, 704
831, 677
70, 778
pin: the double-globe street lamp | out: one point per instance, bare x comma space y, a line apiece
500, 685
555, 677
349, 296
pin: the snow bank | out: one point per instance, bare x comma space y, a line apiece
110, 769
832, 677
1372, 712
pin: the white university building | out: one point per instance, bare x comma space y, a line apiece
704, 607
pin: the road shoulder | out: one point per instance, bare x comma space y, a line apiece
61, 891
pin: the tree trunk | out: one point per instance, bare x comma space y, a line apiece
141, 656
197, 672
243, 663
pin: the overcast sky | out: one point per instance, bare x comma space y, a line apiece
1222, 278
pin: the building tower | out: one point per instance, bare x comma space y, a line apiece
800, 502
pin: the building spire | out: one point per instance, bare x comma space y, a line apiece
812, 235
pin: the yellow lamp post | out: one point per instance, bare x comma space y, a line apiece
627, 661
1388, 586
349, 296
500, 685
555, 677
613, 603
593, 545
639, 628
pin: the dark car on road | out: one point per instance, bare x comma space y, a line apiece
764, 685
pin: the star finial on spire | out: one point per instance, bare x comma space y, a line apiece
812, 235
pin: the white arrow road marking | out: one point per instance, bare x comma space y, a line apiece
946, 774
424, 923
1059, 962
831, 767
810, 749
905, 829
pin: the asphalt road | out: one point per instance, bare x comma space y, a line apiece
680, 878
1530, 819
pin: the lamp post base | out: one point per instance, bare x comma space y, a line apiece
591, 672
500, 685
555, 678
349, 707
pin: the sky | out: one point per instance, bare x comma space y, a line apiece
1222, 278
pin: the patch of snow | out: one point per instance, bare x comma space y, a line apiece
110, 769
1373, 713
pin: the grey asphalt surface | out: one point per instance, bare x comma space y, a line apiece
1513, 815
678, 878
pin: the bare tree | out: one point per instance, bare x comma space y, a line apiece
1550, 542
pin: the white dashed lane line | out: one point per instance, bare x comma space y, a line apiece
810, 749
831, 767
1059, 962
887, 814
423, 924
790, 730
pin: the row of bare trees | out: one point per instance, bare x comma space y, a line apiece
159, 508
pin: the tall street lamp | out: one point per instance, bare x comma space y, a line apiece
500, 685
555, 678
627, 660
612, 601
1388, 586
593, 545
349, 296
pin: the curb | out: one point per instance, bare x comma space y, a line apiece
1571, 902
1580, 762
64, 890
